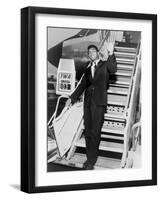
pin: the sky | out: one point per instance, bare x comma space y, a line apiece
55, 36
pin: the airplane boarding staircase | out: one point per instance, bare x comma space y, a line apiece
116, 134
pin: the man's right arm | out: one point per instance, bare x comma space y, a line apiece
79, 89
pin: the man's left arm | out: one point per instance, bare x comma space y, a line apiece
111, 60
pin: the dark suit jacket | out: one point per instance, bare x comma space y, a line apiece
95, 88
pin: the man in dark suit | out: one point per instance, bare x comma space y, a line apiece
95, 83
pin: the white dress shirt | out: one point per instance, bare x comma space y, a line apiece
94, 64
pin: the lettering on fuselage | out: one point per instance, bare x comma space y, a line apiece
65, 81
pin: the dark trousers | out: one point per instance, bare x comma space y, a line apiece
93, 120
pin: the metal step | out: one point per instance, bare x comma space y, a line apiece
117, 100
112, 126
124, 79
123, 74
129, 45
114, 84
115, 127
124, 54
111, 137
126, 71
52, 150
115, 110
116, 103
116, 92
120, 78
105, 146
125, 49
108, 163
113, 115
114, 118
119, 83
112, 130
125, 60
125, 66
51, 145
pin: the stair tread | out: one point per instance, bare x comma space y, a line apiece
104, 145
112, 130
112, 115
51, 145
111, 137
124, 66
125, 59
107, 163
126, 45
116, 103
123, 70
125, 50
117, 99
119, 85
122, 74
117, 92
114, 118
119, 82
124, 53
118, 89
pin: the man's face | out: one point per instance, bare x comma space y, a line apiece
93, 54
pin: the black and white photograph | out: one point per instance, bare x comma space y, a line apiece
89, 91
93, 99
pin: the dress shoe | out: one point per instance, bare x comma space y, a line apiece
88, 166
85, 164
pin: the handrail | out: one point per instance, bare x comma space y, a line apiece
54, 114
129, 111
135, 136
56, 109
132, 79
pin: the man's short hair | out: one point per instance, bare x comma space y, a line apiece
93, 46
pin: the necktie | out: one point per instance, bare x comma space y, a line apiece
93, 69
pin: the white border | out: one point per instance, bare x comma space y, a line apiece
77, 177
